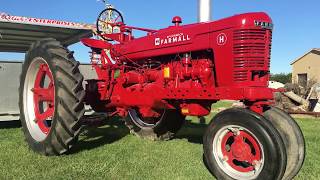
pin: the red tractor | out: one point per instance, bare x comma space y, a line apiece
154, 81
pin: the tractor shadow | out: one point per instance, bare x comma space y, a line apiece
192, 131
10, 124
113, 129
100, 134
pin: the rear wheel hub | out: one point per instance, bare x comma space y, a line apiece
43, 96
39, 104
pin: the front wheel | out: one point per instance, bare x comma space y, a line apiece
292, 137
50, 98
240, 144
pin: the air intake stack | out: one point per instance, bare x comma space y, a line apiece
204, 10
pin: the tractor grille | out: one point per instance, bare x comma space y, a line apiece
251, 51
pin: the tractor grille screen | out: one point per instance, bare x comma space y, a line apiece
251, 50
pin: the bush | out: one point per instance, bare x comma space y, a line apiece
281, 77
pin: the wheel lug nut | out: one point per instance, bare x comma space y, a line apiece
225, 158
256, 164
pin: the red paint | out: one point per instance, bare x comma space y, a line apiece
43, 96
177, 20
241, 147
94, 43
203, 63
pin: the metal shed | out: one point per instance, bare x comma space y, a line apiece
17, 33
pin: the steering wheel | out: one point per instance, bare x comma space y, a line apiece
108, 22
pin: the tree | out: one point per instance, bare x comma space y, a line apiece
281, 77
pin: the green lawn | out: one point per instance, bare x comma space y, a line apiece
109, 152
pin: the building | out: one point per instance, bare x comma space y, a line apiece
306, 68
9, 98
16, 35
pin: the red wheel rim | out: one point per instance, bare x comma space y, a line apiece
43, 97
241, 150
238, 152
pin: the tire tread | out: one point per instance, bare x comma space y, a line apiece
65, 129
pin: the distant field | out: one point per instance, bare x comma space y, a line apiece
110, 152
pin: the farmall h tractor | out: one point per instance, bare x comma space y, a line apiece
154, 81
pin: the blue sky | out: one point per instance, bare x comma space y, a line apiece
297, 27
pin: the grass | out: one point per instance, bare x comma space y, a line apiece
110, 152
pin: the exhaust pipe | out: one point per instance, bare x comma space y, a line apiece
204, 10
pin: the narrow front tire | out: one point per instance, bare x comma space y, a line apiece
240, 144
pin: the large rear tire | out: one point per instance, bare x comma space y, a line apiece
292, 137
240, 144
50, 98
162, 128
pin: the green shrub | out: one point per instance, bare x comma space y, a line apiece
281, 77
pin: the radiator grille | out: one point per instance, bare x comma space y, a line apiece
240, 75
251, 50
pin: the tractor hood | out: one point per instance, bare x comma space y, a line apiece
198, 36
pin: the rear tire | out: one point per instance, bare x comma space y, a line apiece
51, 132
163, 129
292, 137
240, 144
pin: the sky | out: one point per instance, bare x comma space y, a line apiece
296, 22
